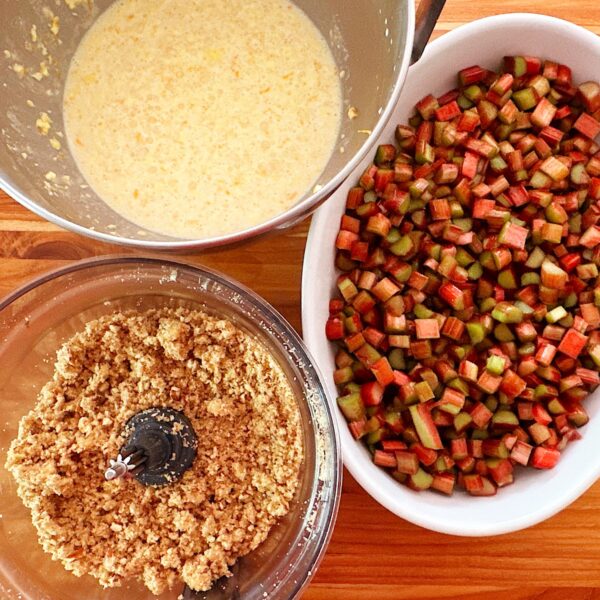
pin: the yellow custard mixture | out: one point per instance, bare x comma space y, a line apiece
196, 118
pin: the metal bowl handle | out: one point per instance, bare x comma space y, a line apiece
428, 13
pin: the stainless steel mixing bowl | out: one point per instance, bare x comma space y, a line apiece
372, 41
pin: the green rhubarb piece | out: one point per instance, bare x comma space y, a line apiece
476, 332
424, 153
555, 407
535, 258
498, 164
541, 391
491, 403
403, 246
473, 93
541, 85
456, 210
487, 304
525, 99
374, 437
556, 314
579, 418
495, 364
566, 321
421, 480
461, 421
480, 434
505, 312
523, 307
464, 102
487, 261
459, 384
540, 180
506, 279
530, 278
475, 271
452, 409
424, 392
392, 418
393, 236
503, 333
526, 349
504, 418
463, 258
464, 223
430, 377
571, 300
440, 464
352, 407
594, 353
396, 359
422, 312
575, 223
369, 197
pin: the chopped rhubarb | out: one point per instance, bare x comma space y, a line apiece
426, 430
427, 328
467, 308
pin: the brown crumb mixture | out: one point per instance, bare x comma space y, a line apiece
242, 481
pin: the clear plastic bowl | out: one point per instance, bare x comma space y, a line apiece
36, 319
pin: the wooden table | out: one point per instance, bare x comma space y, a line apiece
375, 555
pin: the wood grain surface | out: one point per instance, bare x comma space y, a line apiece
373, 554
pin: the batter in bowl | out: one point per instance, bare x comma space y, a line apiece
197, 118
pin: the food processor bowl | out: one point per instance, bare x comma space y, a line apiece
38, 318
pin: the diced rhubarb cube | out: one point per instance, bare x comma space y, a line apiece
451, 401
452, 295
512, 385
587, 125
383, 371
482, 208
471, 75
513, 236
480, 414
572, 343
426, 430
417, 280
426, 456
384, 289
355, 197
448, 111
453, 328
444, 482
488, 382
371, 393
407, 462
345, 239
334, 329
543, 114
469, 165
384, 459
521, 452
544, 458
427, 328
501, 472
393, 445
591, 237
379, 224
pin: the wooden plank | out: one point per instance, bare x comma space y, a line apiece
373, 555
